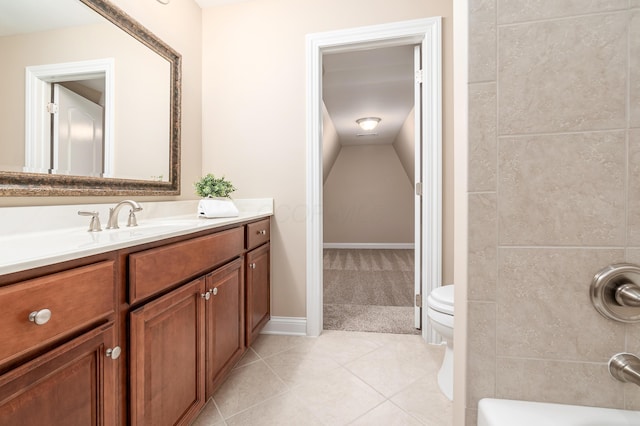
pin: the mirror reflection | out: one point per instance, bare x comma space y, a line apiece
82, 97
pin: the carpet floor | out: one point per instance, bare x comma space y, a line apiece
369, 290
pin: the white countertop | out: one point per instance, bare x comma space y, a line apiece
56, 236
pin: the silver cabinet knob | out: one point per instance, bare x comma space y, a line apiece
262, 232
214, 291
252, 265
113, 353
40, 317
206, 295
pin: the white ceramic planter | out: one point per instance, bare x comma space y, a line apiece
217, 207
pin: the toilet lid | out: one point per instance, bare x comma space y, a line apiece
441, 299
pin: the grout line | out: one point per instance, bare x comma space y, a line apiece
562, 18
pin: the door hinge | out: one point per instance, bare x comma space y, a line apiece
418, 301
419, 76
52, 108
419, 189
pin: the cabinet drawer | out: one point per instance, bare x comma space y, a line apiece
75, 298
258, 233
152, 271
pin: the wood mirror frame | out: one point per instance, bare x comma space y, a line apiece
33, 184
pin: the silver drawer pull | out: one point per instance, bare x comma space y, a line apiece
113, 353
262, 232
40, 317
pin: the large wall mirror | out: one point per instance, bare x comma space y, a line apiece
90, 102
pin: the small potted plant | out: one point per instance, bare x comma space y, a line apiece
216, 200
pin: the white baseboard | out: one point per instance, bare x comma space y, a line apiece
294, 326
368, 245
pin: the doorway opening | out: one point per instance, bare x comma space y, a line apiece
369, 173
427, 34
69, 118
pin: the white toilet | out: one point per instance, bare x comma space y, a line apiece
440, 313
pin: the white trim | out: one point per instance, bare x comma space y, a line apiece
428, 32
366, 246
294, 326
37, 78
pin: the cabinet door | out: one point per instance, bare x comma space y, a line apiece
225, 322
258, 292
167, 357
74, 384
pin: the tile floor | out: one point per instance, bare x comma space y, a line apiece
339, 378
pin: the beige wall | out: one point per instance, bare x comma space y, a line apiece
179, 25
405, 146
367, 197
254, 111
553, 198
330, 143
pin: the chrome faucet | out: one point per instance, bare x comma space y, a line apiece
113, 214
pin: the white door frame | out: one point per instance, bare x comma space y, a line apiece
428, 33
37, 95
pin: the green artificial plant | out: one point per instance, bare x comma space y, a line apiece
210, 186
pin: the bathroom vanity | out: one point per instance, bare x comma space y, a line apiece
142, 332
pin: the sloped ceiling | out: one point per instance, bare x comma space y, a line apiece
369, 83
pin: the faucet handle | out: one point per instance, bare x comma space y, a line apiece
132, 221
94, 225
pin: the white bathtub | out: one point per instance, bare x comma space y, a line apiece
504, 412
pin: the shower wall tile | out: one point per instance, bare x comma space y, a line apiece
482, 137
562, 190
564, 75
482, 260
529, 10
482, 40
481, 344
634, 188
634, 67
558, 381
544, 309
471, 418
558, 84
631, 392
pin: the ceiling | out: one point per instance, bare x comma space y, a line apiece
368, 83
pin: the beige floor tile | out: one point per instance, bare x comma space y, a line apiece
344, 346
393, 367
424, 400
386, 414
338, 398
301, 364
209, 416
250, 356
247, 386
283, 410
270, 344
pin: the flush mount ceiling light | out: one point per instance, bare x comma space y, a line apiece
164, 1
368, 123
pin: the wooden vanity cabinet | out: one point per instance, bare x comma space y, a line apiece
59, 357
258, 285
225, 339
74, 384
141, 335
167, 357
